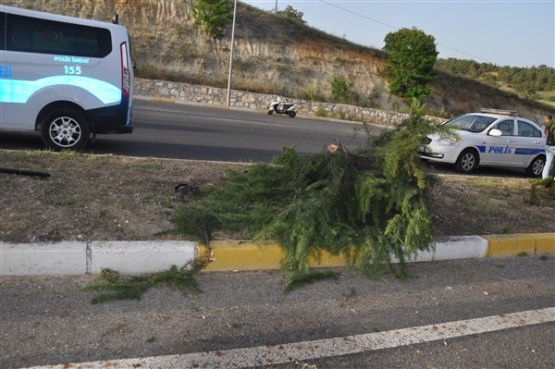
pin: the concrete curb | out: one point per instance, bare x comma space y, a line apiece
136, 257
74, 258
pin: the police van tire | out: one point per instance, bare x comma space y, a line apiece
535, 168
65, 128
468, 161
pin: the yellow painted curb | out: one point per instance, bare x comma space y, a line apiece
240, 255
230, 255
545, 243
247, 255
514, 244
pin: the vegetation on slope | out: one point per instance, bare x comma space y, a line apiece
532, 83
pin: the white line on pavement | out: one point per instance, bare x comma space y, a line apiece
310, 350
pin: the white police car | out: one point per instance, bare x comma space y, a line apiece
490, 138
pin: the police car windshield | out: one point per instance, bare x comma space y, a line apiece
471, 122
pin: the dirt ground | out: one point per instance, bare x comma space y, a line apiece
105, 197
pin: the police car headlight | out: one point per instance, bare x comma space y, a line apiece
450, 141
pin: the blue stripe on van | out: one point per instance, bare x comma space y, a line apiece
19, 91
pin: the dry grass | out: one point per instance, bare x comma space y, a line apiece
105, 197
95, 197
472, 205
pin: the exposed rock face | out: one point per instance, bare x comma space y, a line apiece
278, 54
272, 55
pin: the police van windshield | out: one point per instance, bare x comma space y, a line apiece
471, 122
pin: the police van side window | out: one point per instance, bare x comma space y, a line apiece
41, 36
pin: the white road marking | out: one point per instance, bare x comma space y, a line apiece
309, 350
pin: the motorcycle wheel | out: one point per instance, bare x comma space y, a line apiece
270, 112
291, 114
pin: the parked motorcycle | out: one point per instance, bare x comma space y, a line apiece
283, 108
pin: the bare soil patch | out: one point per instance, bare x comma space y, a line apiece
482, 205
105, 197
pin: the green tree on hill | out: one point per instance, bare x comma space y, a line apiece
292, 13
527, 82
411, 58
212, 16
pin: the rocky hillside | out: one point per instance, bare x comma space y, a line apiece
272, 55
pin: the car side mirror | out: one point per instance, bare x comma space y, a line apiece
495, 133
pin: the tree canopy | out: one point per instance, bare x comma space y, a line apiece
292, 13
212, 15
369, 205
527, 82
411, 58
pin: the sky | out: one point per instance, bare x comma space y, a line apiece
503, 32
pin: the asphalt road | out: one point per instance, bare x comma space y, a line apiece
196, 132
51, 320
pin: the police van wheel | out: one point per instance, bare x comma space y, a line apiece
467, 161
535, 168
65, 129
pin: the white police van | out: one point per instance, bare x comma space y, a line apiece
67, 77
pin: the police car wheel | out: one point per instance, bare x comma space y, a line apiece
467, 161
535, 168
65, 128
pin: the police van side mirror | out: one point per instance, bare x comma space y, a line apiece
495, 133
